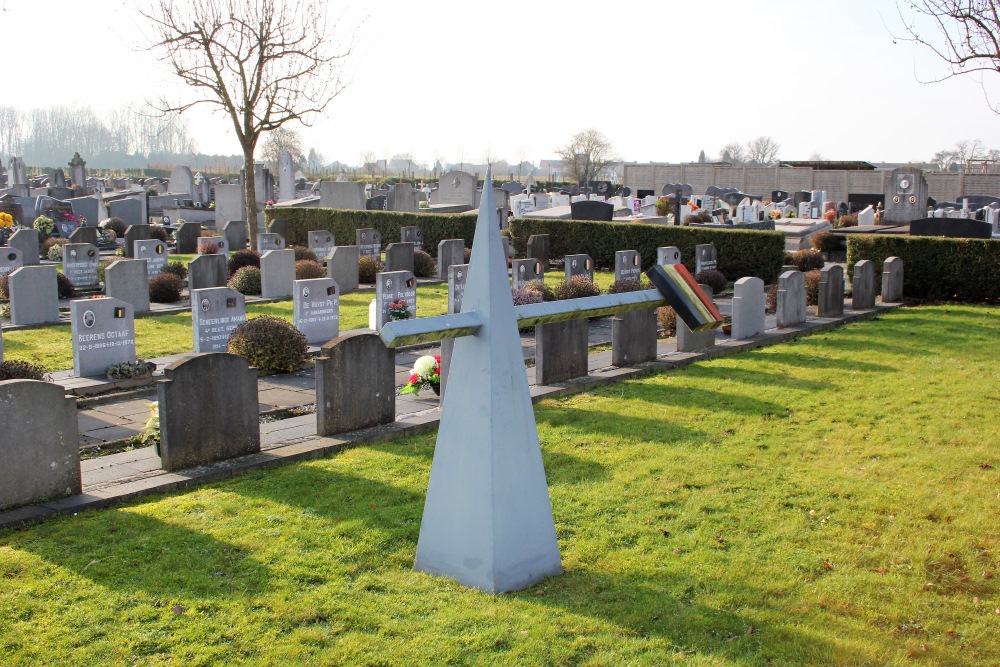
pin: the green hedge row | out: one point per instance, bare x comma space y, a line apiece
343, 224
741, 252
935, 267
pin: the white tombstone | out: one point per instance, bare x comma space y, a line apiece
748, 308
867, 216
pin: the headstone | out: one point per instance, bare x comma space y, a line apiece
791, 303
450, 252
355, 384
215, 314
561, 351
592, 210
906, 196
83, 235
955, 228
748, 308
705, 258
207, 271
237, 234
863, 286
208, 410
403, 198
132, 234
229, 204
342, 267
579, 266
892, 280
390, 286
866, 217
668, 256
413, 235
269, 242
538, 248
181, 181
628, 265
129, 210
321, 242
103, 334
154, 252
212, 245
34, 295
186, 236
127, 280
633, 337
14, 210
286, 181
316, 309
40, 446
10, 260
376, 203
399, 257
523, 271
831, 291
343, 196
277, 273
26, 242
694, 341
18, 173
279, 227
369, 242
80, 262
457, 188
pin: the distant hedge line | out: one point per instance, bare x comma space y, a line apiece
741, 253
343, 224
935, 267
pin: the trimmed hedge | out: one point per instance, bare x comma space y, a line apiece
935, 267
344, 224
741, 252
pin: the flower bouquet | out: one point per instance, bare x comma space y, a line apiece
426, 373
399, 310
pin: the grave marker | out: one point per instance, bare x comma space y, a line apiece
369, 242
316, 309
342, 267
26, 241
399, 257
628, 265
237, 234
831, 291
128, 280
791, 304
269, 241
10, 259
705, 258
321, 242
863, 285
215, 313
579, 266
154, 252
132, 234
668, 256
892, 280
523, 271
80, 262
34, 295
277, 273
103, 333
390, 286
186, 237
212, 245
207, 271
450, 252
748, 308
413, 235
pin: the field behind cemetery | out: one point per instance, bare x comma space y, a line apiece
832, 501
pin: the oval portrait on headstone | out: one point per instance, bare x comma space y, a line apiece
573, 264
222, 245
521, 269
458, 275
205, 305
305, 292
89, 318
72, 254
456, 183
388, 283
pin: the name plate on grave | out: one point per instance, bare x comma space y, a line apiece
103, 332
628, 265
80, 263
155, 254
369, 242
457, 275
267, 242
705, 258
10, 260
215, 313
390, 286
321, 243
579, 265
523, 271
413, 235
316, 309
668, 256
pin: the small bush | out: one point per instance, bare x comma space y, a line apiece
523, 296
246, 280
788, 258
423, 265
847, 221
467, 254
808, 260
208, 248
176, 268
4, 288
54, 253
812, 287
714, 279
241, 258
13, 369
698, 218
771, 299
540, 288
306, 269
159, 233
51, 241
368, 267
117, 225
622, 286
269, 343
302, 253
666, 317
165, 288
64, 286
576, 287
825, 241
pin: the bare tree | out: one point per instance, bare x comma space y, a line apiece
587, 154
965, 34
369, 162
733, 153
762, 151
263, 64
11, 132
280, 140
956, 159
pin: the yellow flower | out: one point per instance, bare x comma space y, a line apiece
6, 220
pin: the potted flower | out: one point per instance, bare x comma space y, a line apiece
399, 310
44, 225
6, 226
426, 373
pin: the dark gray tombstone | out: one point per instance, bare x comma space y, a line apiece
208, 410
268, 242
579, 266
129, 210
791, 304
560, 351
633, 337
39, 448
316, 309
355, 384
103, 334
906, 196
668, 256
132, 234
80, 262
628, 265
399, 257
450, 252
892, 280
237, 233
523, 271
279, 227
186, 237
277, 273
376, 203
695, 341
955, 228
205, 271
538, 248
83, 235
154, 252
128, 280
592, 210
26, 241
321, 242
863, 285
215, 314
390, 286
369, 242
705, 258
342, 266
831, 291
34, 295
413, 235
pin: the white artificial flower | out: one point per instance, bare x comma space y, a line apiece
424, 365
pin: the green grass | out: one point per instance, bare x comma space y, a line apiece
830, 501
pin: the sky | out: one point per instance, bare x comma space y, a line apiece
457, 80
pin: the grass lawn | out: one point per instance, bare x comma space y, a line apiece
830, 501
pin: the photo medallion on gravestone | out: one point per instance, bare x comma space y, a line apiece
667, 256
80, 261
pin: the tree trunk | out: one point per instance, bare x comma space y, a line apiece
250, 194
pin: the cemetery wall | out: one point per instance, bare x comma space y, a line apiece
344, 224
741, 252
935, 267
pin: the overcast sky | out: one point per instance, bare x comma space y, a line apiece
663, 79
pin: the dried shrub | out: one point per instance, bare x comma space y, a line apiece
54, 253
788, 259
467, 255
208, 248
306, 269
825, 241
302, 253
15, 369
622, 286
698, 218
539, 287
771, 299
4, 287
576, 287
847, 221
64, 286
808, 260
241, 258
424, 265
246, 280
523, 296
812, 287
208, 233
159, 233
53, 241
269, 343
713, 278
165, 288
117, 225
368, 267
666, 317
176, 268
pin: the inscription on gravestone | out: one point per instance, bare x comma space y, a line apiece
155, 254
216, 312
628, 265
103, 333
413, 235
523, 271
705, 258
579, 265
394, 285
316, 309
80, 263
369, 242
321, 242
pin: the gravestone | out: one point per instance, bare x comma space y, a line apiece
906, 196
403, 198
181, 182
633, 337
376, 203
269, 242
694, 341
456, 188
355, 384
286, 181
863, 285
413, 235
791, 303
26, 242
831, 291
668, 256
342, 267
186, 237
39, 448
866, 217
10, 260
399, 257
277, 273
103, 334
128, 280
561, 351
523, 271
14, 211
229, 204
343, 196
592, 210
89, 208
628, 265
129, 210
279, 227
208, 410
457, 275
538, 248
132, 234
748, 308
955, 228
892, 280
237, 234
369, 242
34, 295
215, 313
316, 309
450, 252
705, 258
390, 286
154, 252
83, 235
207, 271
321, 242
80, 262
212, 245
579, 266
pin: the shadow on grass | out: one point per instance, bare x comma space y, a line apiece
590, 420
808, 361
758, 378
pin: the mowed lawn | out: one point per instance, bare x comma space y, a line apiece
830, 501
